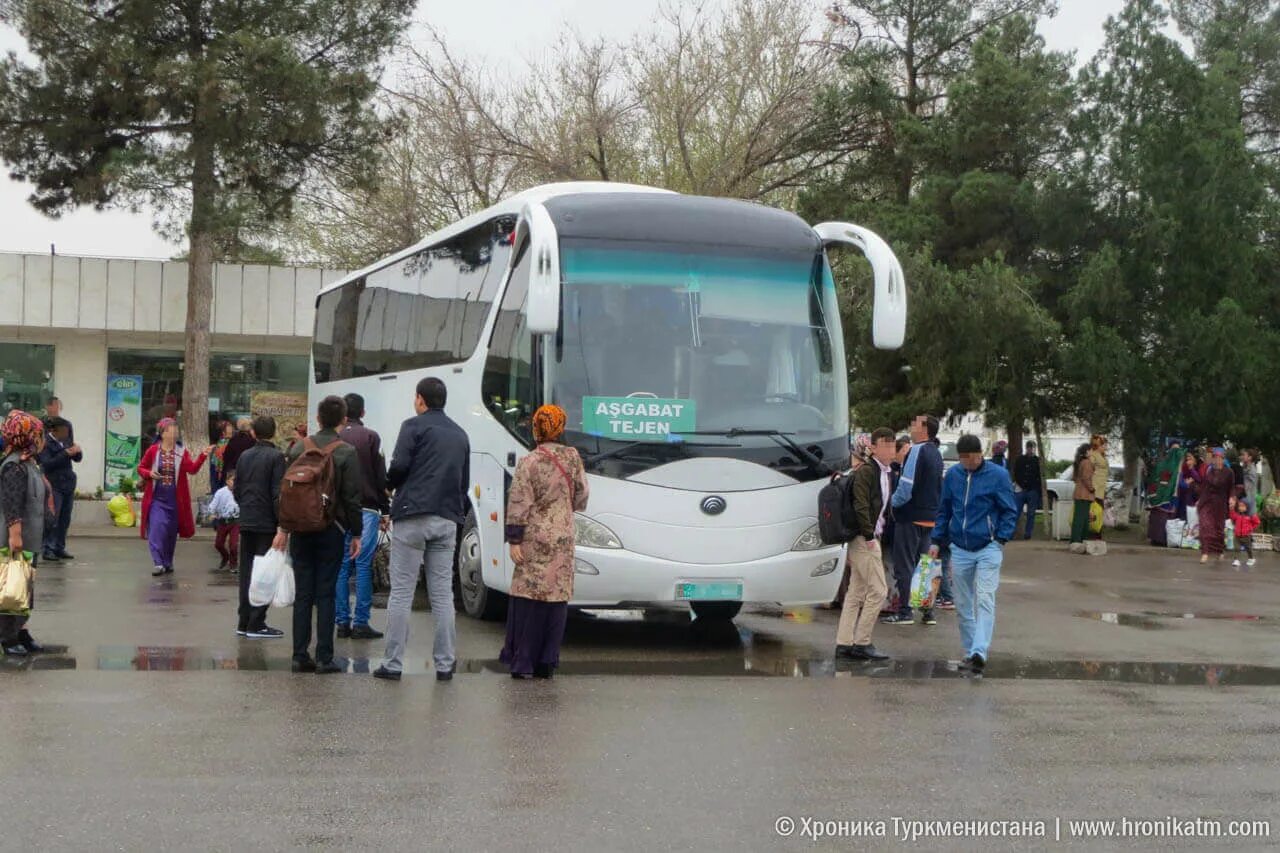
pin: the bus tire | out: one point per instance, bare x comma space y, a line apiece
474, 598
715, 611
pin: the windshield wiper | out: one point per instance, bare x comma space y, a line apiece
591, 461
783, 439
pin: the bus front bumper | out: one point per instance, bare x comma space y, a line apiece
791, 579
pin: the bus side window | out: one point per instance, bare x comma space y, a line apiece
510, 387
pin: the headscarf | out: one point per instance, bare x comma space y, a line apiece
163, 424
1000, 446
862, 445
22, 432
548, 423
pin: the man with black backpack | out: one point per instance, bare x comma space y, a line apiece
319, 503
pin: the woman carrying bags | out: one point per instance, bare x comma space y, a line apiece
549, 486
166, 501
26, 501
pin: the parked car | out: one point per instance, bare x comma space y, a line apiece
1065, 489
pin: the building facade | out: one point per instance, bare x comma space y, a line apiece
107, 335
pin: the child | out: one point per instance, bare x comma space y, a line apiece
1245, 523
226, 516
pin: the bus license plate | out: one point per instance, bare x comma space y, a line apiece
709, 590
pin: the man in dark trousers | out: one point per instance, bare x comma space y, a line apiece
430, 472
56, 460
915, 508
318, 556
373, 507
1026, 481
259, 471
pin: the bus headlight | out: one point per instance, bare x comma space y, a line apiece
592, 534
809, 540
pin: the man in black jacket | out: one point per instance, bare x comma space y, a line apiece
867, 589
317, 557
373, 507
60, 451
430, 472
259, 471
1026, 481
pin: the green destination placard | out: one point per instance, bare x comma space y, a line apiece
637, 418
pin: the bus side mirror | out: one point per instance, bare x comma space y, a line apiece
543, 305
889, 311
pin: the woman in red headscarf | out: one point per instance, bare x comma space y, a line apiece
549, 486
166, 500
27, 502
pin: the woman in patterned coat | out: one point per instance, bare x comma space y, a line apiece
549, 486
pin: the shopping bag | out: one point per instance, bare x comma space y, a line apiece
266, 577
15, 583
121, 510
1173, 529
1095, 517
382, 563
1230, 535
925, 581
285, 589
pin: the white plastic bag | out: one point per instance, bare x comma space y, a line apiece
1173, 530
267, 571
285, 588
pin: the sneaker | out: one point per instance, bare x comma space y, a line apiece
344, 631
304, 665
1252, 561
329, 668
50, 558
25, 638
927, 618
386, 674
446, 675
168, 570
946, 604
266, 632
898, 619
364, 632
157, 571
241, 632
1235, 564
977, 663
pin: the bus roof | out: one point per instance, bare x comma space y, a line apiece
507, 207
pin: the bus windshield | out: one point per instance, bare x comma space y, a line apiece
672, 351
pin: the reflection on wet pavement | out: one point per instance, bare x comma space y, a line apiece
761, 656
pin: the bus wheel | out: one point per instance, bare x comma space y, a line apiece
715, 611
478, 601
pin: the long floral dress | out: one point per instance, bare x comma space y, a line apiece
549, 486
1215, 495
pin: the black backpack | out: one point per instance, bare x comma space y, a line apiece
835, 511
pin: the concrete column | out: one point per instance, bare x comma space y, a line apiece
80, 381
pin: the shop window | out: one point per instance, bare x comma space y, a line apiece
26, 377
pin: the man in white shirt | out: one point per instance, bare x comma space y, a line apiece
867, 590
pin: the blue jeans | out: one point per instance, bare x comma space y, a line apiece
364, 573
975, 576
1030, 501
944, 588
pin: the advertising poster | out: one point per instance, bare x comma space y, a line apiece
289, 408
124, 427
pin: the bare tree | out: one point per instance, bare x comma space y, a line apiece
715, 100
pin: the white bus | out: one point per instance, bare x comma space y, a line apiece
695, 344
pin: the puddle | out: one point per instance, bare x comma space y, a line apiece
1131, 620
1149, 620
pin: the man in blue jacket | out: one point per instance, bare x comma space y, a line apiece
976, 517
60, 451
915, 505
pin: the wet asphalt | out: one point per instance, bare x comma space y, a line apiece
1139, 685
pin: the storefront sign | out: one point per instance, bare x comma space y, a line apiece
124, 427
637, 418
289, 408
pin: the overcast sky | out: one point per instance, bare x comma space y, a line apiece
483, 29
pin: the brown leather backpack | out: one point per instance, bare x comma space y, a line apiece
308, 494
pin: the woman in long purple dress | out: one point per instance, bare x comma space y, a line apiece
1215, 496
549, 486
166, 500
